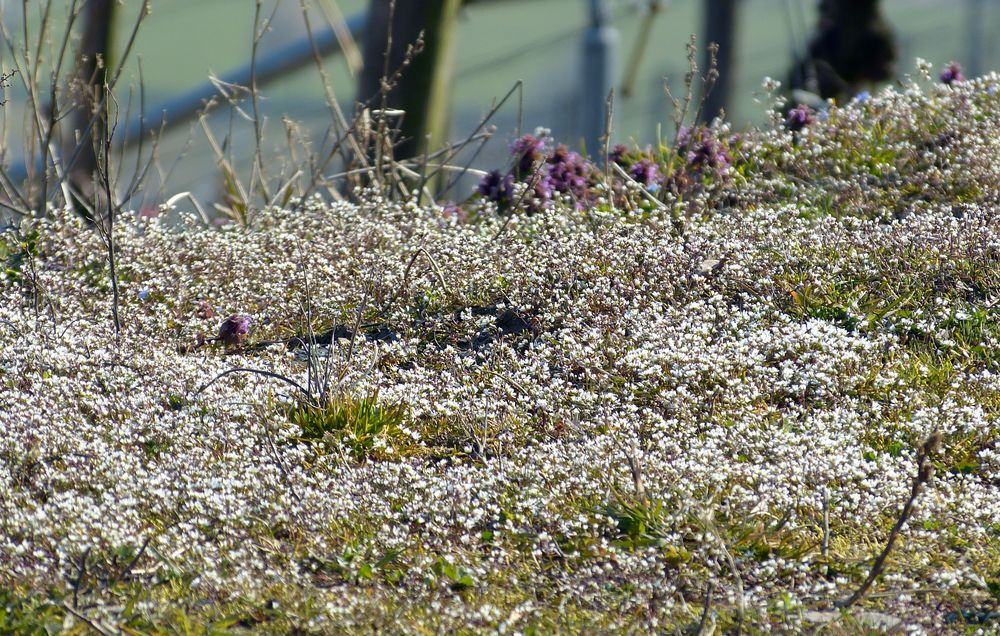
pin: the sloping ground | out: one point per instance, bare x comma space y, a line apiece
630, 417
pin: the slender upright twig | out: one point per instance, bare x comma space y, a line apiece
925, 472
703, 623
109, 199
259, 29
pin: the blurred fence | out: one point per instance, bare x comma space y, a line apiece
545, 43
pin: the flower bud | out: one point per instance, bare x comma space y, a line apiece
233, 331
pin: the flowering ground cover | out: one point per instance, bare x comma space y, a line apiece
694, 389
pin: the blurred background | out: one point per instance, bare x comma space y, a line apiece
555, 47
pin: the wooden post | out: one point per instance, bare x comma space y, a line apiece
720, 28
93, 62
424, 88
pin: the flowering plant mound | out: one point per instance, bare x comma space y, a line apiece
695, 390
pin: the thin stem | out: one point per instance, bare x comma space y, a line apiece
106, 179
925, 472
262, 372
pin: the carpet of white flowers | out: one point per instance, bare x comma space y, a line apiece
622, 418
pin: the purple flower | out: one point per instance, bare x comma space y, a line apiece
645, 172
233, 331
527, 152
568, 172
709, 153
497, 188
538, 197
703, 150
618, 154
684, 136
799, 117
952, 73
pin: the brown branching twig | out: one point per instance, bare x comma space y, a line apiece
284, 471
708, 80
131, 564
703, 623
825, 545
93, 624
925, 472
434, 266
262, 372
105, 172
79, 578
635, 468
706, 521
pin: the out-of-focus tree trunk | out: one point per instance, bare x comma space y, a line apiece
93, 61
720, 28
423, 89
852, 49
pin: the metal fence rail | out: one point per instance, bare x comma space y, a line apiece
597, 77
269, 67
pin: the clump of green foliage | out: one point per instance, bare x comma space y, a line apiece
363, 426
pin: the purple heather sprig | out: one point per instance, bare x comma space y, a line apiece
528, 152
685, 136
569, 172
234, 329
709, 153
497, 187
952, 73
799, 117
618, 154
646, 172
538, 197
